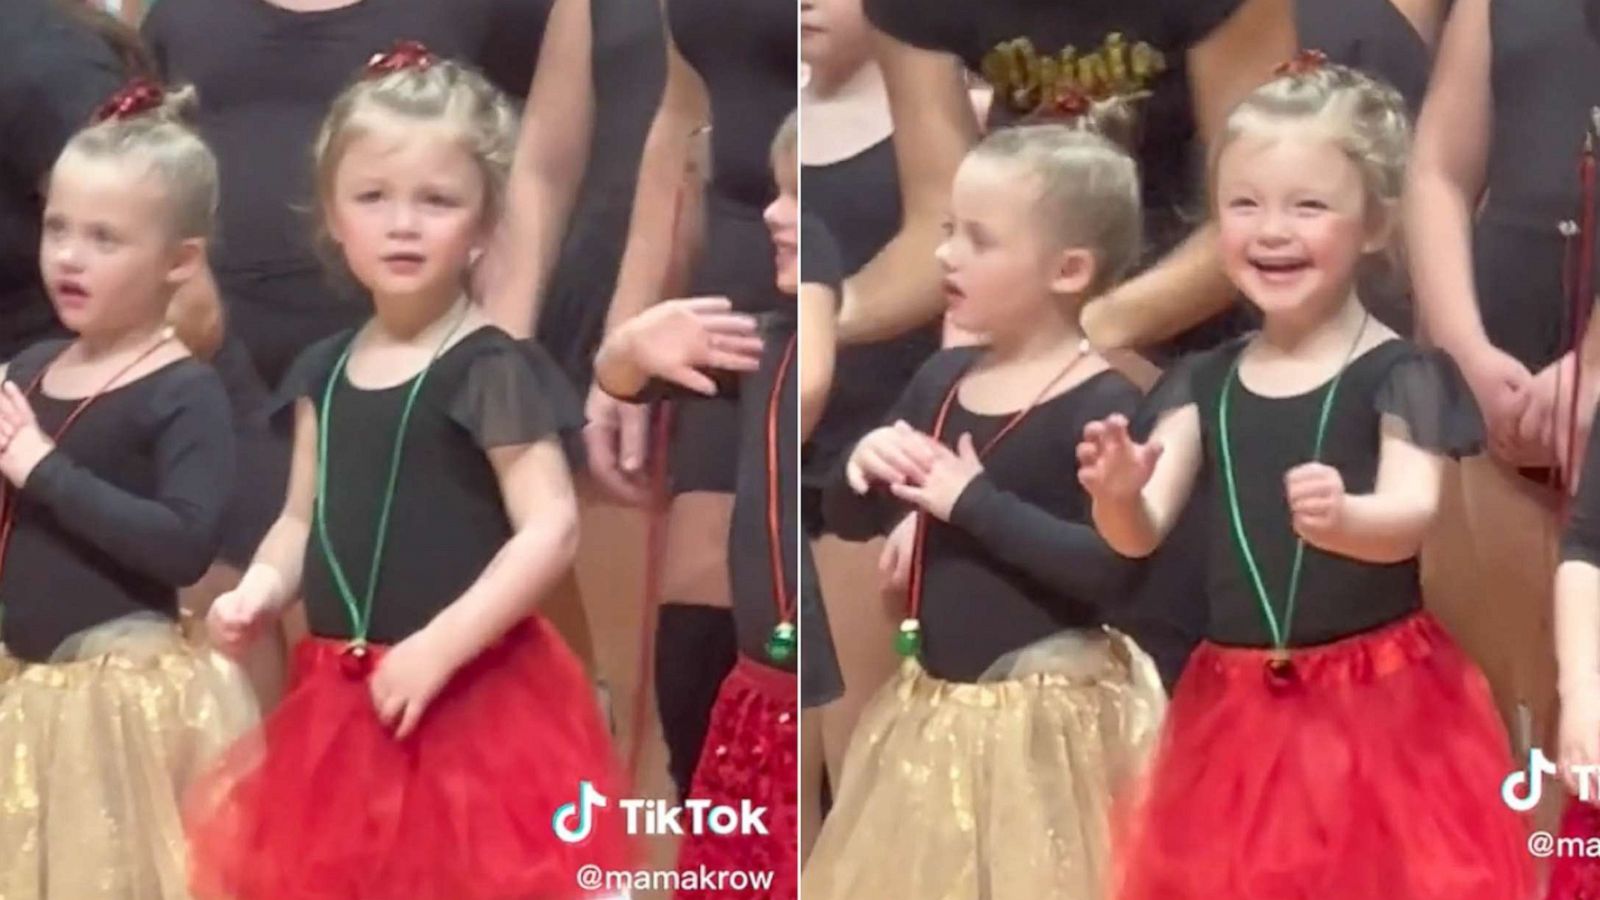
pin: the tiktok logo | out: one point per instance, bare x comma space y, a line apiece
1532, 781
581, 812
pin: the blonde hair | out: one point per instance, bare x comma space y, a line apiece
1088, 191
1364, 116
161, 140
441, 92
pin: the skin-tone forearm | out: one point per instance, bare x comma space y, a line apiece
645, 261
1386, 526
1135, 525
1181, 291
1131, 526
277, 566
539, 499
899, 289
616, 368
1448, 168
1188, 287
1380, 529
816, 354
1577, 628
547, 170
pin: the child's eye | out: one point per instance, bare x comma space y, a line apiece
1312, 206
104, 237
948, 228
54, 227
1241, 203
443, 201
371, 196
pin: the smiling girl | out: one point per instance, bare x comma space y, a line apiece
1329, 739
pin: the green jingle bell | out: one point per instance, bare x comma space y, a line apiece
908, 643
781, 644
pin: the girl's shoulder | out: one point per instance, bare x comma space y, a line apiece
1187, 382
309, 372
31, 360
510, 391
1422, 388
934, 377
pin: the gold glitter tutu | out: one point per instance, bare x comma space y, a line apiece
995, 790
100, 744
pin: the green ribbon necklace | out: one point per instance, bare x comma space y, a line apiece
1280, 668
356, 654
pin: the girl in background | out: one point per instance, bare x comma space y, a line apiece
1329, 739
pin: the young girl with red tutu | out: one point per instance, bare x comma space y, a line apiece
116, 457
1329, 739
436, 722
987, 767
752, 751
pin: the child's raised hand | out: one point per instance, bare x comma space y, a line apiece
22, 445
893, 454
1316, 500
1580, 741
406, 682
1111, 466
944, 481
678, 339
237, 617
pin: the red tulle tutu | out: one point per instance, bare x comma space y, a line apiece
751, 754
324, 804
1575, 876
1373, 773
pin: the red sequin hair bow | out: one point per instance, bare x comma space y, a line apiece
402, 56
1303, 63
1068, 105
135, 98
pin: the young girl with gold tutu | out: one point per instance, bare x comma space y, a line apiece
117, 455
988, 766
436, 723
1329, 739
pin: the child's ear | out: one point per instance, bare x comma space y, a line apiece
330, 224
187, 261
1382, 218
1075, 271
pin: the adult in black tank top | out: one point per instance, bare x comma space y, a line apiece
54, 72
629, 58
730, 65
852, 189
1197, 57
1389, 39
1494, 174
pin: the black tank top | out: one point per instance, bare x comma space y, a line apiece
744, 51
858, 200
1370, 35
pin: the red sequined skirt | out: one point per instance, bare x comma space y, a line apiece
751, 755
324, 804
1373, 772
1576, 876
